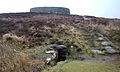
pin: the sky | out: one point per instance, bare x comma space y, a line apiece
98, 8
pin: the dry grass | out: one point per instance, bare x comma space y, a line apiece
17, 62
112, 31
13, 37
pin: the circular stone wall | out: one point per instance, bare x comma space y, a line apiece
56, 10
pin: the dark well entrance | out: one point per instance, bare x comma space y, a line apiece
62, 52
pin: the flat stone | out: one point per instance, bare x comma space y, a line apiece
71, 46
104, 43
100, 38
96, 51
112, 50
50, 52
83, 55
109, 48
48, 60
54, 56
61, 47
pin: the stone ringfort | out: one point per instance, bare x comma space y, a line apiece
54, 10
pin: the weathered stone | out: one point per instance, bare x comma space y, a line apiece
83, 56
109, 48
71, 46
100, 38
96, 51
48, 60
55, 10
50, 52
54, 56
112, 50
61, 47
104, 43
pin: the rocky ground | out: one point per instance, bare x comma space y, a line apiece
34, 42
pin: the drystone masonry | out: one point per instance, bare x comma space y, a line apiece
54, 10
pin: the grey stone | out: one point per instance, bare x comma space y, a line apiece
78, 23
100, 38
71, 46
83, 55
112, 50
96, 51
61, 47
109, 48
55, 10
104, 43
54, 56
48, 60
50, 52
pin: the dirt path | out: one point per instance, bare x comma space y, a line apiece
101, 58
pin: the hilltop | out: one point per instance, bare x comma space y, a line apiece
34, 41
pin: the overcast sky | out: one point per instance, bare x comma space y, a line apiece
100, 8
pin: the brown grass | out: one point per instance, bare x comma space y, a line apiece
17, 62
13, 37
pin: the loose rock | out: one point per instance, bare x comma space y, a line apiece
50, 52
83, 56
109, 48
48, 60
96, 51
100, 38
104, 43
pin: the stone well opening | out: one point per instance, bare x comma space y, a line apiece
62, 53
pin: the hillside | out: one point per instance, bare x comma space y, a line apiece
33, 42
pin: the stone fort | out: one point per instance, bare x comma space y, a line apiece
53, 10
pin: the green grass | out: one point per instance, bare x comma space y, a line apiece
36, 51
76, 66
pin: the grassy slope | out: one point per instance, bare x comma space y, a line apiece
57, 33
76, 66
